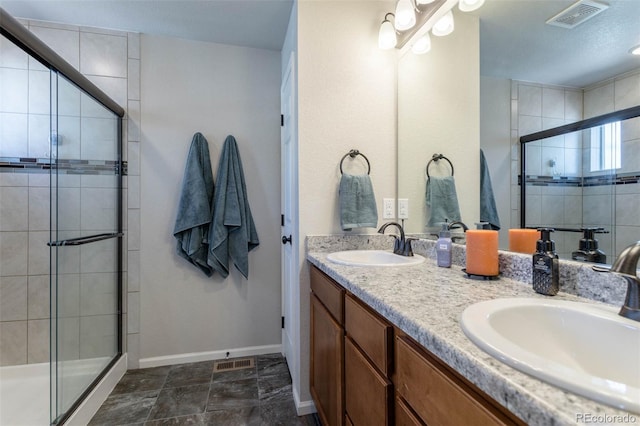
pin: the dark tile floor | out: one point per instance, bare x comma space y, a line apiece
192, 394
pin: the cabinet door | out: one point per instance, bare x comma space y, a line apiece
327, 364
367, 393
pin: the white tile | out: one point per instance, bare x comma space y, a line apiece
99, 137
533, 212
13, 343
102, 54
627, 92
533, 159
573, 140
98, 209
14, 203
69, 202
38, 341
68, 98
39, 179
68, 339
630, 156
553, 161
133, 351
573, 210
529, 100
39, 128
528, 124
573, 105
627, 210
11, 56
133, 79
133, 310
98, 294
13, 298
133, 233
68, 288
597, 209
38, 253
14, 86
553, 103
134, 192
572, 162
98, 336
134, 45
14, 130
133, 270
114, 87
630, 129
38, 297
550, 123
598, 101
100, 181
625, 236
99, 257
68, 137
64, 42
13, 253
14, 179
89, 107
39, 208
39, 92
133, 161
133, 121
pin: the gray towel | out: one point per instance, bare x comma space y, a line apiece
488, 210
357, 202
232, 233
442, 200
194, 209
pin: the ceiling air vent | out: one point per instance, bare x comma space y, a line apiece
577, 13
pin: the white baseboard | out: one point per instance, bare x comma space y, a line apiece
303, 407
99, 394
208, 356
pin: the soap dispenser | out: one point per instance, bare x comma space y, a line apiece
545, 265
588, 250
443, 247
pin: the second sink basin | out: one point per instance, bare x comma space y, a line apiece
584, 348
373, 258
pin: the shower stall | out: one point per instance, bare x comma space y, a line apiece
61, 232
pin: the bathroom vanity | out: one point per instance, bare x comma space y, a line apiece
387, 348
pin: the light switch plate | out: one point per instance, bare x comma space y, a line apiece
403, 208
389, 209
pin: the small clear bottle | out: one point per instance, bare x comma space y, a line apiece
443, 247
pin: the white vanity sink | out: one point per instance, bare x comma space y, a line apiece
586, 349
373, 258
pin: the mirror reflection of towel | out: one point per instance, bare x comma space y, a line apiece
357, 202
488, 210
442, 200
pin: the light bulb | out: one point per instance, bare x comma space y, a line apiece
635, 50
387, 36
470, 5
444, 26
405, 15
424, 1
422, 45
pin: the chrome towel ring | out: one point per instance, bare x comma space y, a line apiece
436, 157
353, 154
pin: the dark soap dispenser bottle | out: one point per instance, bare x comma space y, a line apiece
545, 265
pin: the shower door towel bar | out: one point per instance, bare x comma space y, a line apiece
353, 154
84, 240
436, 157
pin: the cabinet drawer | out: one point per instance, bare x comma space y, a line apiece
404, 416
330, 294
367, 393
435, 394
371, 333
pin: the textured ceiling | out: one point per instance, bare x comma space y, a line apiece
515, 42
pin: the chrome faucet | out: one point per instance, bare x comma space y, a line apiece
626, 266
402, 245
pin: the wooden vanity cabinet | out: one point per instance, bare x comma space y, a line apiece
327, 348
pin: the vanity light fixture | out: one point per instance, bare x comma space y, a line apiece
470, 5
444, 26
387, 38
422, 45
405, 16
419, 2
635, 50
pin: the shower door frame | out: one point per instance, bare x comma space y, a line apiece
28, 42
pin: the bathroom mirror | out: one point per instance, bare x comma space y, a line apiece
532, 76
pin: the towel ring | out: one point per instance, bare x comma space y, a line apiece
353, 154
436, 157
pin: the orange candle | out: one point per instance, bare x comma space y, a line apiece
482, 252
523, 240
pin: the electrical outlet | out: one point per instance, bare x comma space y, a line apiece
389, 211
403, 208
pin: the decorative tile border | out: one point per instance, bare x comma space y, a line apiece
599, 180
75, 167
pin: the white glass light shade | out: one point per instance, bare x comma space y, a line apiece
422, 45
470, 5
635, 50
424, 1
444, 26
405, 15
387, 36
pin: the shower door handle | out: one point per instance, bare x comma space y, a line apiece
84, 240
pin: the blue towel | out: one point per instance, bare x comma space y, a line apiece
194, 209
232, 233
442, 200
357, 202
488, 210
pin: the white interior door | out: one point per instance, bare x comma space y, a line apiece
289, 202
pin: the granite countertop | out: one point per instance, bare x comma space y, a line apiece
426, 302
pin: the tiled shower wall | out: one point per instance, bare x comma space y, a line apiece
111, 60
537, 107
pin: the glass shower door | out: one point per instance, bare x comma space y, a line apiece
86, 243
